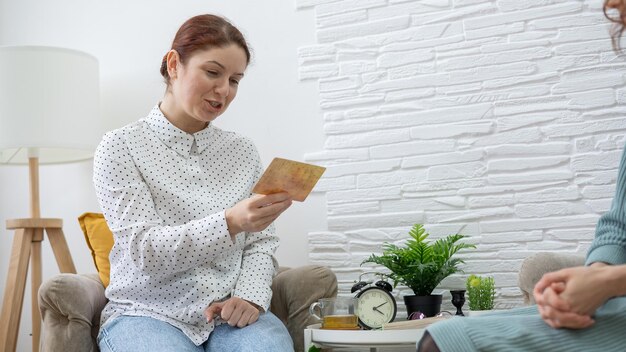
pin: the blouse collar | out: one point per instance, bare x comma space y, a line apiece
175, 138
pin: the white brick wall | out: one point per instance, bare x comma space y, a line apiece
495, 119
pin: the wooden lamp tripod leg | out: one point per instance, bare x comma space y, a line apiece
35, 259
14, 290
61, 250
35, 282
27, 244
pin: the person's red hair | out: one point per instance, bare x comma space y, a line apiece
203, 32
619, 22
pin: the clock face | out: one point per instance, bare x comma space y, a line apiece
376, 307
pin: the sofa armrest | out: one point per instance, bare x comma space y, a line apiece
294, 290
536, 265
70, 306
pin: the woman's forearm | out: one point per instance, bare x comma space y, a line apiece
617, 280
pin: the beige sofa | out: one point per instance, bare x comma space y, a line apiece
70, 306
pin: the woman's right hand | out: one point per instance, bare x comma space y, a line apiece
256, 213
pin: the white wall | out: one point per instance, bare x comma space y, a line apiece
497, 119
280, 113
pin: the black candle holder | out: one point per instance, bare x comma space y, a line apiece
458, 300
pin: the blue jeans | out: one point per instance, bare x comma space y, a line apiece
132, 333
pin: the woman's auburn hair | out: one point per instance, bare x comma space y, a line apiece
203, 32
619, 23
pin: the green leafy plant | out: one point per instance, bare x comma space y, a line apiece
481, 292
421, 265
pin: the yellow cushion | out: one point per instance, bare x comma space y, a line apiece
100, 241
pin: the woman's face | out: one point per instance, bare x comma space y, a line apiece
204, 87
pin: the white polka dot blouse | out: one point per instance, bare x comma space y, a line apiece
163, 193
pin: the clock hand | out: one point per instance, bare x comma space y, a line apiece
376, 309
380, 305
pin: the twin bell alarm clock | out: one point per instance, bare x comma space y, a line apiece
377, 306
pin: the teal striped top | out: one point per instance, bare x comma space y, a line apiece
609, 245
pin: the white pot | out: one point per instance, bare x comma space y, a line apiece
475, 313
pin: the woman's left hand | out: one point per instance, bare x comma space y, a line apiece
236, 311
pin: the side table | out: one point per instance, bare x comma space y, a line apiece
374, 339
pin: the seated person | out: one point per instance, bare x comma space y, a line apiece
578, 309
193, 255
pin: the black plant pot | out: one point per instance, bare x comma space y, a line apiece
429, 305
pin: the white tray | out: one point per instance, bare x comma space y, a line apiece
372, 338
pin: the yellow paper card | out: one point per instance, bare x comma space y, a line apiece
293, 177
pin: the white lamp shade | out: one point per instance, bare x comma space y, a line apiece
49, 104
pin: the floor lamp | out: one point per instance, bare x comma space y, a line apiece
49, 113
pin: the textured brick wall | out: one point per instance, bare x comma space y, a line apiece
500, 120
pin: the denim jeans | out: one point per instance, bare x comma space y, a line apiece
133, 333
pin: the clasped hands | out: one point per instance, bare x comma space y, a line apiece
568, 298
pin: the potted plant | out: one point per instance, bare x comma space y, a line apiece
481, 292
421, 265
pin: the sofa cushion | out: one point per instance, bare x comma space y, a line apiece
100, 241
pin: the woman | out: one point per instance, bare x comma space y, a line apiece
578, 309
192, 262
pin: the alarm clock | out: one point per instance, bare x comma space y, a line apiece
376, 304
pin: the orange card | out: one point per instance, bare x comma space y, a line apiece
293, 177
